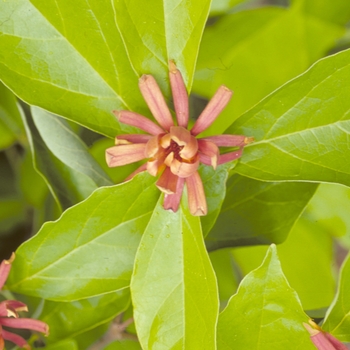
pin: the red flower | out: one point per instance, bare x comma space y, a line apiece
9, 314
323, 340
173, 150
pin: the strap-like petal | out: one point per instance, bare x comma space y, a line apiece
132, 138
155, 101
5, 268
209, 149
196, 196
25, 323
139, 121
227, 157
212, 110
167, 182
172, 201
16, 339
229, 140
125, 154
180, 96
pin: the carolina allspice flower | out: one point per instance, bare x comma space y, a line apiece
172, 150
323, 340
9, 314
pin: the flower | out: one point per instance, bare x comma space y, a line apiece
323, 340
9, 314
172, 150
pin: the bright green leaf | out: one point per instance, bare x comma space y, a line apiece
265, 313
68, 344
337, 320
155, 32
274, 206
67, 185
68, 57
302, 130
124, 345
221, 6
214, 182
67, 146
254, 52
330, 209
94, 245
173, 286
67, 320
11, 126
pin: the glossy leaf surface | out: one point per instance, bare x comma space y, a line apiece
67, 320
78, 68
337, 321
214, 182
94, 245
302, 129
11, 126
265, 313
273, 206
155, 32
67, 185
173, 286
68, 147
254, 52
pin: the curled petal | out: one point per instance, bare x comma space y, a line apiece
172, 201
25, 323
180, 96
139, 121
169, 159
143, 167
152, 146
165, 141
154, 166
167, 182
5, 268
209, 149
125, 154
155, 101
14, 338
132, 138
230, 140
196, 196
227, 157
184, 138
182, 169
212, 110
9, 308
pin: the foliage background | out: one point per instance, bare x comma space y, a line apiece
80, 61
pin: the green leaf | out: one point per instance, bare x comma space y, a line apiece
330, 209
254, 52
67, 320
94, 245
67, 185
11, 127
68, 58
337, 320
221, 6
173, 286
68, 344
274, 206
214, 182
155, 32
336, 11
265, 313
67, 146
307, 261
124, 345
302, 129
